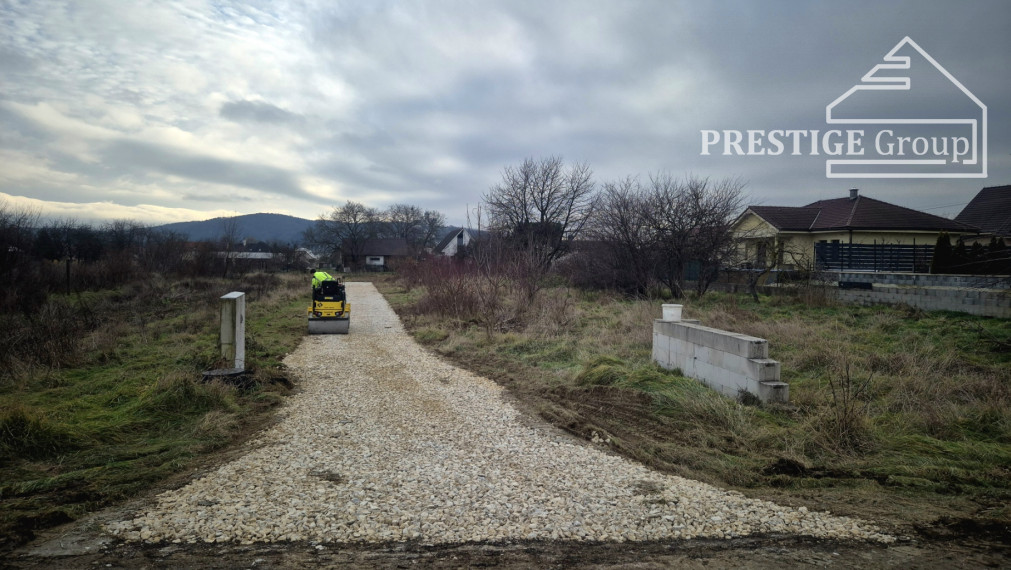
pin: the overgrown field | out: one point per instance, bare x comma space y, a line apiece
101, 393
895, 414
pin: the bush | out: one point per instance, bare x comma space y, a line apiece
179, 395
50, 338
603, 371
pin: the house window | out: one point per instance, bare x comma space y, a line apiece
374, 260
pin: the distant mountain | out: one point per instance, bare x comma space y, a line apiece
255, 227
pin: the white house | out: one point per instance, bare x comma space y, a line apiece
455, 240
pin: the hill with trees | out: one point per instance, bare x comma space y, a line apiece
258, 227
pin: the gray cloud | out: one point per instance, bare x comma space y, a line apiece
392, 102
226, 198
258, 112
14, 62
143, 157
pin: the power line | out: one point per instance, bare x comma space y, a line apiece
945, 206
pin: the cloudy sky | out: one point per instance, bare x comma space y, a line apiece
171, 110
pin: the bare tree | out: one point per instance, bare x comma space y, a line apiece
229, 240
622, 229
541, 207
758, 255
432, 222
344, 231
21, 287
691, 222
163, 251
671, 222
418, 228
404, 221
713, 205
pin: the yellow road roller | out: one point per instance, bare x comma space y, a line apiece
330, 312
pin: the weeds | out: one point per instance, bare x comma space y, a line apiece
847, 426
26, 432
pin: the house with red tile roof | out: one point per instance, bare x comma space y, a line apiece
794, 233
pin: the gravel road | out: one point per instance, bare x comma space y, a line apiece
387, 443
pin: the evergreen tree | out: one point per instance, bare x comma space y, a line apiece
941, 263
977, 259
998, 257
959, 259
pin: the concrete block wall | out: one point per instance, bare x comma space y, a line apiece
727, 362
983, 302
984, 295
924, 279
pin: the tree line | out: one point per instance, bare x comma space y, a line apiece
40, 257
343, 233
977, 259
633, 235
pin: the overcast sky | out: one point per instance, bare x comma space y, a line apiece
163, 111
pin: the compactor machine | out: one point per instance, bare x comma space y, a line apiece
330, 312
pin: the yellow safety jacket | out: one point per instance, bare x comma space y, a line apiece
319, 277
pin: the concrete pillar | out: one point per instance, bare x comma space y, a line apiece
233, 328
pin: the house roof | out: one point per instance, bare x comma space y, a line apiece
447, 239
386, 247
785, 218
859, 213
453, 232
989, 210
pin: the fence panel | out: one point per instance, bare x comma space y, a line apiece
873, 257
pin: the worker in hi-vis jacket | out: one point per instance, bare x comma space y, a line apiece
319, 277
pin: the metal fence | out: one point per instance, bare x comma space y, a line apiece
873, 257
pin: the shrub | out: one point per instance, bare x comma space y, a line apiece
845, 426
603, 371
177, 395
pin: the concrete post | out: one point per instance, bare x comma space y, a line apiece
233, 328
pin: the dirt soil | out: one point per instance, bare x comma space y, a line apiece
81, 546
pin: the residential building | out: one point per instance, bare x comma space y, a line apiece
379, 254
990, 211
854, 232
456, 239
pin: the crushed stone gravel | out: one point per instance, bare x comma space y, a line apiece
385, 443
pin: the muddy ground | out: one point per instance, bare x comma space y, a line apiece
81, 546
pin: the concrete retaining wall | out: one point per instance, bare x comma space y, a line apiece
981, 302
984, 295
728, 362
924, 279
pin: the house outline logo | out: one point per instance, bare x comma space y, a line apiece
871, 82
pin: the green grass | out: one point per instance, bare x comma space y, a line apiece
129, 408
934, 427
